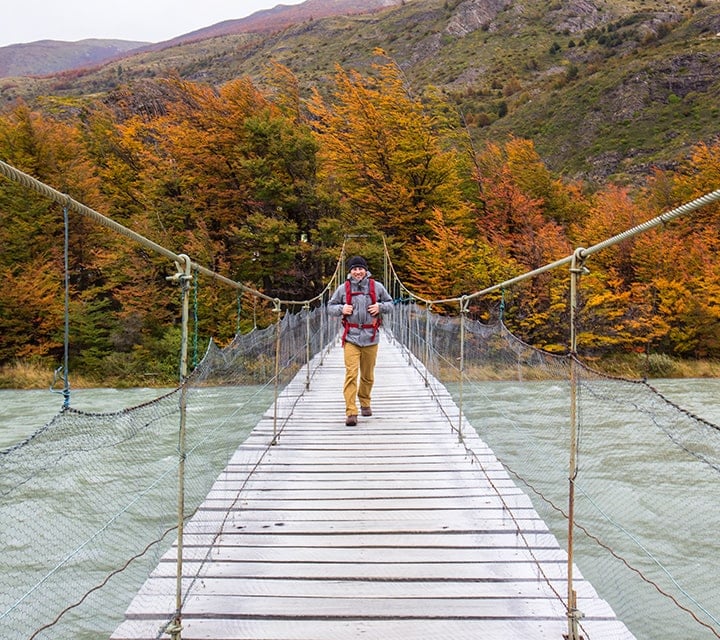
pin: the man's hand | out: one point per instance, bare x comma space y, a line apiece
374, 309
347, 309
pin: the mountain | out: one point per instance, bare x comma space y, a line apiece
606, 89
283, 16
45, 57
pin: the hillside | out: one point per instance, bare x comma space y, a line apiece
605, 88
46, 57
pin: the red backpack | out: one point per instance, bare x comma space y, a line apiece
348, 300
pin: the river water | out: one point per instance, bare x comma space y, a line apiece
23, 412
648, 483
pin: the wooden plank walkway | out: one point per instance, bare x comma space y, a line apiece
385, 530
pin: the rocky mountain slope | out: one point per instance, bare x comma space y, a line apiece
47, 57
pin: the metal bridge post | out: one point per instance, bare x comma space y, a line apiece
408, 328
278, 327
463, 312
574, 615
307, 343
323, 336
184, 276
426, 351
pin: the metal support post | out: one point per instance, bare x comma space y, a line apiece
426, 351
574, 615
184, 276
307, 344
278, 325
409, 330
463, 312
323, 330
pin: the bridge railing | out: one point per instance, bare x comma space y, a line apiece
624, 475
87, 499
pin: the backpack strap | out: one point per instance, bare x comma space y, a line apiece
349, 293
377, 320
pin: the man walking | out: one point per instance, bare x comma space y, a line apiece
360, 301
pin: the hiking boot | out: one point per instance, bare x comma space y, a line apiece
366, 411
351, 421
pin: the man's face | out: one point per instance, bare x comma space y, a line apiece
358, 272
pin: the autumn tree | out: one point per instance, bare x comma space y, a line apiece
381, 154
31, 235
212, 159
696, 240
521, 206
446, 264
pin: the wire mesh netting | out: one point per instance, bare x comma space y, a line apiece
647, 474
89, 502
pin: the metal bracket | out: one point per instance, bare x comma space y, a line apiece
183, 273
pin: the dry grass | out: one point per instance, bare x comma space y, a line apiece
26, 374
657, 366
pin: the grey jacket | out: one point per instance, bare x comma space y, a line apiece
362, 334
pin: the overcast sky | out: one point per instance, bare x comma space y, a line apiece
139, 20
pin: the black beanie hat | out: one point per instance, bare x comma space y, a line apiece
357, 261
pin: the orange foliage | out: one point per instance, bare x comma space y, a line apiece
382, 155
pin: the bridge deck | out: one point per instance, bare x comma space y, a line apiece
384, 530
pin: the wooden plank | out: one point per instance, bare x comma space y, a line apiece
360, 554
224, 526
379, 571
211, 605
383, 540
384, 629
330, 588
228, 500
270, 493
389, 529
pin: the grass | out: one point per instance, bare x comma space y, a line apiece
32, 374
657, 365
26, 374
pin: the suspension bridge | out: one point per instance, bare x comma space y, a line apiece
496, 491
396, 528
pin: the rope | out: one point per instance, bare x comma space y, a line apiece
33, 184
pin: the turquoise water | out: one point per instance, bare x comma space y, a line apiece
94, 490
524, 423
22, 412
647, 485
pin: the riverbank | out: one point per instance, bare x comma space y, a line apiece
656, 365
26, 374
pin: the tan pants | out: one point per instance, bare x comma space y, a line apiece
358, 360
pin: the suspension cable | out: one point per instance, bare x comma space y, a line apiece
33, 184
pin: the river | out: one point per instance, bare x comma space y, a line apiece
22, 412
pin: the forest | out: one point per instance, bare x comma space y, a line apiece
264, 185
